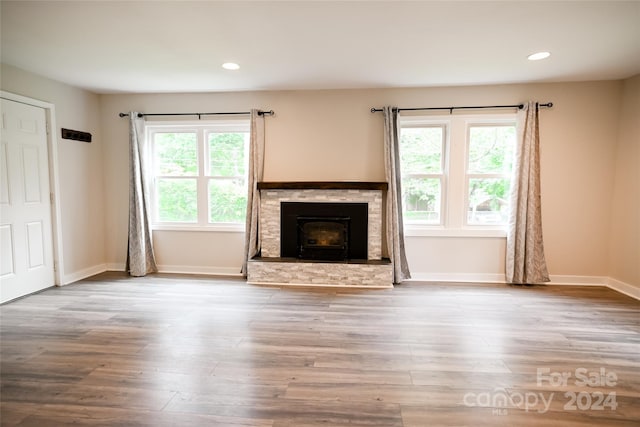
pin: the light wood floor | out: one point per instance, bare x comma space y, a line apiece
195, 351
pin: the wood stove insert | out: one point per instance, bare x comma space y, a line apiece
324, 231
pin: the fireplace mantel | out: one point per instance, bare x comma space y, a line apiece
322, 185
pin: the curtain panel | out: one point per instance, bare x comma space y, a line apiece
255, 175
525, 260
140, 256
394, 226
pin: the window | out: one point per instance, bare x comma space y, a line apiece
489, 162
422, 168
199, 173
456, 172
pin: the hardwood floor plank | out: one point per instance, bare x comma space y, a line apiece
300, 411
81, 415
14, 413
421, 416
287, 375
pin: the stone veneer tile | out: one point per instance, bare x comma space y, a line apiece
270, 214
326, 274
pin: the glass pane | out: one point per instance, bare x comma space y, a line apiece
421, 150
421, 200
175, 154
177, 200
227, 200
488, 201
227, 153
491, 149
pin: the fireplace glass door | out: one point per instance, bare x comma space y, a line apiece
323, 238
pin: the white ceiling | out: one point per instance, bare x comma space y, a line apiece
179, 46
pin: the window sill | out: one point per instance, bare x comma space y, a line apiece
218, 228
432, 231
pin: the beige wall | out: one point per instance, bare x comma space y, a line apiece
624, 264
331, 135
80, 168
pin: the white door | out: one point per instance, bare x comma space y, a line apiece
26, 245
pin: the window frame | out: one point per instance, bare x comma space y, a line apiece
421, 123
202, 128
455, 182
475, 175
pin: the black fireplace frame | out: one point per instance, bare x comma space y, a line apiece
358, 237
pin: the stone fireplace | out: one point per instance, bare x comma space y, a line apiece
322, 234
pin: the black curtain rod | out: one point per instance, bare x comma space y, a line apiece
481, 107
260, 113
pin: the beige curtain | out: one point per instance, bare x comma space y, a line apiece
525, 262
140, 256
395, 232
256, 171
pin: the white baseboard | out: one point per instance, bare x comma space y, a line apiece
577, 280
83, 274
115, 266
556, 280
499, 278
457, 277
204, 270
624, 288
187, 269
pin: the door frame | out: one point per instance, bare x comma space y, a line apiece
54, 182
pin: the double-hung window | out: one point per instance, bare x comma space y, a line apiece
456, 173
199, 174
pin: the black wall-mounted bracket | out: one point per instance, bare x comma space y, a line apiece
76, 135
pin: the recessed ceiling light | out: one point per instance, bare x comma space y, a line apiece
230, 66
538, 56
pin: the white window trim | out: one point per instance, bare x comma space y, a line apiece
225, 125
455, 191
